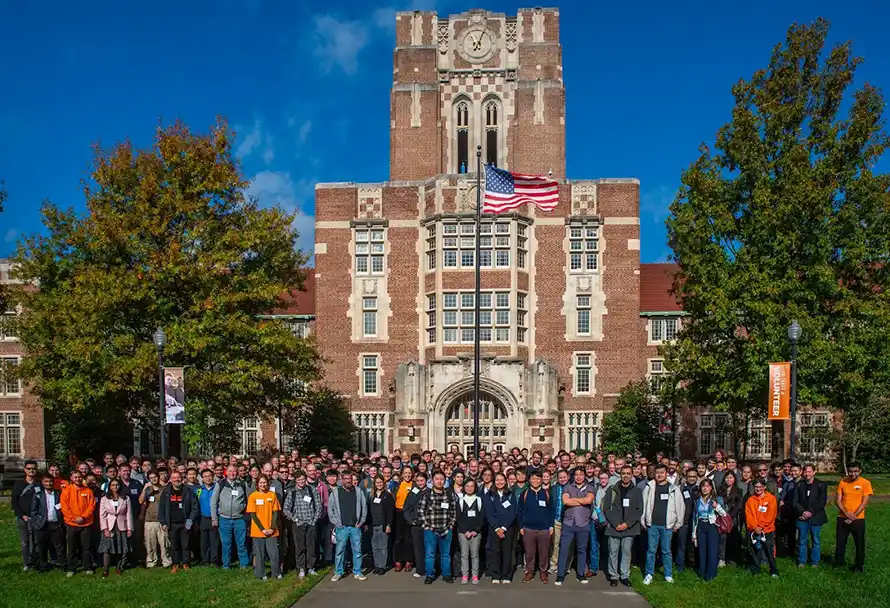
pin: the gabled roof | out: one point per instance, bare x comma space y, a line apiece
656, 281
300, 302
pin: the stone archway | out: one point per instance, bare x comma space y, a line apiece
459, 423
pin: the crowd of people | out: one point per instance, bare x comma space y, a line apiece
435, 515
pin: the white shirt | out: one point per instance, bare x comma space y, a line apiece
51, 514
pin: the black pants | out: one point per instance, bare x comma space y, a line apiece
767, 552
684, 548
403, 547
209, 542
79, 538
500, 554
417, 543
323, 533
304, 546
51, 535
285, 551
844, 530
179, 543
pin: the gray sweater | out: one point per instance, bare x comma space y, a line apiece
229, 500
361, 509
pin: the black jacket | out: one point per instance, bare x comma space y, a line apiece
191, 509
467, 522
616, 513
733, 503
22, 495
812, 498
38, 509
381, 513
692, 492
410, 508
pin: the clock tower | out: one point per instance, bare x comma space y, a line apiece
477, 79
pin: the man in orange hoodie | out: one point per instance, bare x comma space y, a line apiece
761, 510
78, 509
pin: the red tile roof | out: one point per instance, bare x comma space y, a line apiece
300, 302
656, 281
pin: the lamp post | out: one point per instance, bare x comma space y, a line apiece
794, 332
160, 340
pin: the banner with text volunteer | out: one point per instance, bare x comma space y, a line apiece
779, 391
174, 395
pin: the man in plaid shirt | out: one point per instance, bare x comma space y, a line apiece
437, 511
303, 507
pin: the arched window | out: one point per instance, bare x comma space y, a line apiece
462, 120
492, 133
492, 423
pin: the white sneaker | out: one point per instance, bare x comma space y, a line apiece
495, 581
361, 577
69, 575
416, 575
265, 578
721, 564
669, 579
505, 581
312, 572
280, 577
302, 573
335, 578
647, 580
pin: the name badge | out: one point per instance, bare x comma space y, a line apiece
151, 499
235, 492
471, 513
307, 499
84, 494
414, 490
808, 492
115, 503
762, 508
857, 487
542, 503
260, 501
686, 494
58, 507
664, 496
625, 502
443, 504
780, 490
377, 501
506, 504
134, 492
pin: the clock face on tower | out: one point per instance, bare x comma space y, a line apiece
477, 44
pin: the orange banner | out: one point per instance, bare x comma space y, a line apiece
779, 391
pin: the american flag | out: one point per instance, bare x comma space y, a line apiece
505, 190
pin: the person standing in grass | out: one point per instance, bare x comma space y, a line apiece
808, 501
302, 507
663, 514
178, 511
22, 496
78, 510
46, 521
116, 523
761, 510
705, 535
227, 513
264, 510
208, 534
853, 495
155, 537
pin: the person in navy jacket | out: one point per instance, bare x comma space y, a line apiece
535, 516
500, 513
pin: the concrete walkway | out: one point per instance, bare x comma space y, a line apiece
401, 590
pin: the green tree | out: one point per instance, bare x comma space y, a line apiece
785, 218
322, 420
168, 240
634, 423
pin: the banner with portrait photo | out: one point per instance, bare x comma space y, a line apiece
174, 395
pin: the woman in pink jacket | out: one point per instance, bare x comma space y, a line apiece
116, 523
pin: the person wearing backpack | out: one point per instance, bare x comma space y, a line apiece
302, 507
535, 515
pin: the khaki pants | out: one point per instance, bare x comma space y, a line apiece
554, 553
155, 540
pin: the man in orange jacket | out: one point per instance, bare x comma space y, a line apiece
78, 509
761, 510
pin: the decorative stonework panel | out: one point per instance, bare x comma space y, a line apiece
510, 37
443, 36
584, 199
370, 203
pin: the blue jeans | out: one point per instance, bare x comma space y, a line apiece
352, 535
227, 529
593, 552
432, 542
663, 535
805, 529
708, 547
580, 535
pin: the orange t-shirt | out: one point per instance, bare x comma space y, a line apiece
851, 494
263, 504
402, 493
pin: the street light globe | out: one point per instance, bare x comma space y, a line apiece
794, 331
160, 338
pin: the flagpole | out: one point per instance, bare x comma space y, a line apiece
476, 349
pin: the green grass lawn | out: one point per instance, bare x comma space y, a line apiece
796, 588
137, 588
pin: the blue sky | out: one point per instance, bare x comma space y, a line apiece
306, 85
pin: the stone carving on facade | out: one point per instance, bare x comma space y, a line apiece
443, 36
541, 381
370, 203
583, 199
411, 384
585, 284
369, 286
510, 36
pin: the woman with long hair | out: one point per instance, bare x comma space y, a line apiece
116, 524
734, 503
381, 510
706, 508
500, 513
403, 548
470, 522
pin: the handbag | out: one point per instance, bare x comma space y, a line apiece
724, 524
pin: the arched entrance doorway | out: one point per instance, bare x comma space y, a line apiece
492, 423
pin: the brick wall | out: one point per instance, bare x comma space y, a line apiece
32, 416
